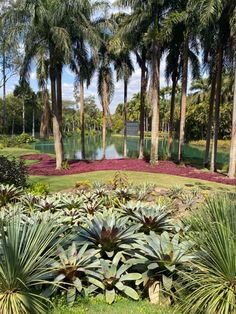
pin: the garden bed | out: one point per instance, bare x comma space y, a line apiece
46, 167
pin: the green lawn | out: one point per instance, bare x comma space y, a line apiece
123, 306
17, 151
57, 183
65, 182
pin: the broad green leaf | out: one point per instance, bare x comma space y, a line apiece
130, 292
110, 296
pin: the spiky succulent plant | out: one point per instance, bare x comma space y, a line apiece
114, 279
162, 257
150, 217
9, 194
108, 232
75, 267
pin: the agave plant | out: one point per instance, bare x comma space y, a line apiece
114, 279
175, 191
162, 258
75, 269
26, 251
124, 194
211, 286
51, 203
70, 201
29, 201
9, 193
143, 191
109, 233
151, 218
93, 206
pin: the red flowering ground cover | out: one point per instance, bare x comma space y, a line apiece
46, 167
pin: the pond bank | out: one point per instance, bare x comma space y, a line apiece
46, 167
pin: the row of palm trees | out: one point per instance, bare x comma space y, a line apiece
84, 35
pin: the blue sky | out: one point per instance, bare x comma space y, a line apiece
68, 85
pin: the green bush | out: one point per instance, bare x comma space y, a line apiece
16, 140
39, 189
13, 171
210, 287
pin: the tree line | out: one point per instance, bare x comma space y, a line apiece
194, 36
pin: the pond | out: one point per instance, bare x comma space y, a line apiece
93, 148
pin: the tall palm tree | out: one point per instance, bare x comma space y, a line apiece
105, 83
232, 156
173, 68
147, 17
189, 49
124, 68
217, 15
133, 40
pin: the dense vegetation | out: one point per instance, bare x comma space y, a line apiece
195, 38
117, 240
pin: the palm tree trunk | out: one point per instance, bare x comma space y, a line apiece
104, 116
33, 124
217, 109
44, 124
232, 156
210, 115
56, 119
23, 116
125, 117
4, 92
155, 101
142, 107
172, 111
81, 100
183, 100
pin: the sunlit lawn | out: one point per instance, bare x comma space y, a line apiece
122, 306
57, 183
66, 182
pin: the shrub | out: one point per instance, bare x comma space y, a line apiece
26, 250
211, 287
16, 140
13, 171
39, 189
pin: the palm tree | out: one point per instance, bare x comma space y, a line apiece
105, 84
146, 18
217, 15
124, 68
189, 49
83, 66
232, 160
134, 41
173, 68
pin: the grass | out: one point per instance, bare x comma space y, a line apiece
66, 182
17, 151
122, 306
161, 180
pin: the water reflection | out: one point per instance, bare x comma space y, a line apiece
93, 148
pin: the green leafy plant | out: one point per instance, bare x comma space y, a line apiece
211, 287
120, 180
65, 165
9, 193
151, 217
108, 233
75, 268
39, 189
83, 185
13, 171
26, 251
163, 257
114, 279
124, 194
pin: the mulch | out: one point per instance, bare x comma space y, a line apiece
46, 167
